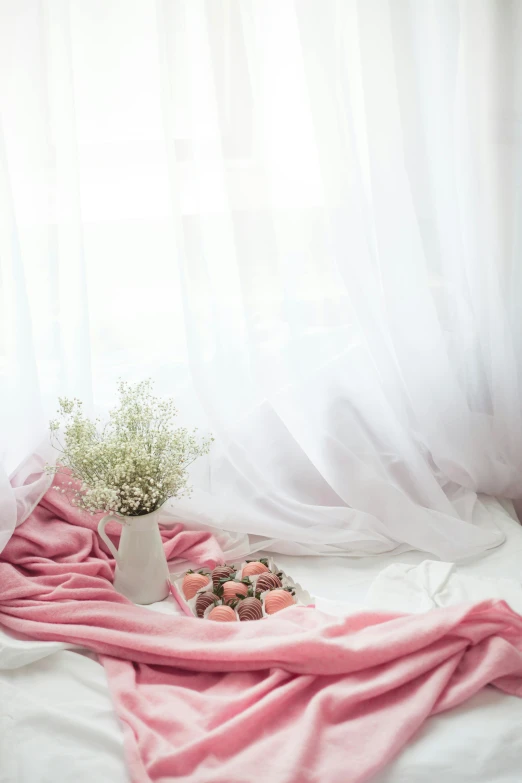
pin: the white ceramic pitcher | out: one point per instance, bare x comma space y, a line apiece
141, 571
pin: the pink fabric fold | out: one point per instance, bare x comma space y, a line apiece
297, 698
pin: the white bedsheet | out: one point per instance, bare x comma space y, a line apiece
57, 723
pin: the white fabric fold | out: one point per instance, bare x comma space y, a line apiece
430, 585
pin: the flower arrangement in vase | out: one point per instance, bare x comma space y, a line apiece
128, 468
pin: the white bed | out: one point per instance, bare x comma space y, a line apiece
57, 723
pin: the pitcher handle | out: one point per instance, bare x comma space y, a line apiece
103, 535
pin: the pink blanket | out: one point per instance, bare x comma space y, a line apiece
296, 698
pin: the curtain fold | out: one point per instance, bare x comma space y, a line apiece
300, 219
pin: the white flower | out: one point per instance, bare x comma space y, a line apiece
133, 464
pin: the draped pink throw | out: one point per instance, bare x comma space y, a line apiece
297, 698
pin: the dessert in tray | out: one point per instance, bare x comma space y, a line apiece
238, 592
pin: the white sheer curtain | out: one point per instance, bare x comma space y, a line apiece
300, 218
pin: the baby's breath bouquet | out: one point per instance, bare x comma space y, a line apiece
133, 464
